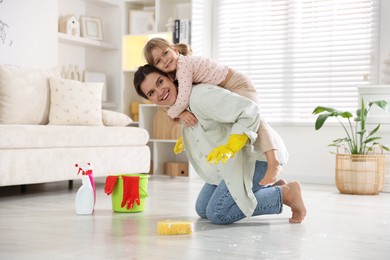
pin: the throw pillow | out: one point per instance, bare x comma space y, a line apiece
24, 94
75, 103
112, 118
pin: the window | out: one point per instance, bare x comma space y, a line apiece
299, 54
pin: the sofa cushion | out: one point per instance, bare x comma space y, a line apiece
54, 136
75, 103
112, 118
24, 94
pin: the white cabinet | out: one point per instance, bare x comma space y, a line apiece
162, 9
162, 150
94, 55
132, 44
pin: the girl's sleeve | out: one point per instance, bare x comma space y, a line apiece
184, 78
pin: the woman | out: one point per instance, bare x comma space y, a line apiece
176, 60
232, 190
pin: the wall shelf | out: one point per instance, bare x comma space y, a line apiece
62, 37
105, 3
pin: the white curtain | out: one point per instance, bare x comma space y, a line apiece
299, 53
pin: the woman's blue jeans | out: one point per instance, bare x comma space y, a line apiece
217, 205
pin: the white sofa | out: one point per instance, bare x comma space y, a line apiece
43, 134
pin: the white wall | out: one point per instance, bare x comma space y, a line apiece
310, 158
28, 33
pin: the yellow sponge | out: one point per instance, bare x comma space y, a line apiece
174, 227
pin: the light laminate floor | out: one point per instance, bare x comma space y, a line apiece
42, 224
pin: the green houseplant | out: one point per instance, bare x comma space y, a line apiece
359, 170
357, 140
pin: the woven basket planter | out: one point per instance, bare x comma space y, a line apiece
360, 174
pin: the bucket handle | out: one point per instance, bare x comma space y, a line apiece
147, 195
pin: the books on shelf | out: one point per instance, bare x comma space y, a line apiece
182, 32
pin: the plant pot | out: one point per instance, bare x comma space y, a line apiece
360, 173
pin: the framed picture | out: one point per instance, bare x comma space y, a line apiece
92, 76
91, 27
141, 22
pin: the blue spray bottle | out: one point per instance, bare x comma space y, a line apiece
86, 195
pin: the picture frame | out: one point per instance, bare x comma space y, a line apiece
91, 27
99, 77
141, 22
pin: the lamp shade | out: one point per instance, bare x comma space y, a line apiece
132, 54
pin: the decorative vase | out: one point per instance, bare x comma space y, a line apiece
78, 74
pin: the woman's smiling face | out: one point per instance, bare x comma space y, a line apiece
159, 89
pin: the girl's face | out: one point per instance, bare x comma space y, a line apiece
159, 89
165, 59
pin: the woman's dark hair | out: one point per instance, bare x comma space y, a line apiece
140, 75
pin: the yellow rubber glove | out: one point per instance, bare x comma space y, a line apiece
179, 146
224, 152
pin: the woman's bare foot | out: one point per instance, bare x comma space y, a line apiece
273, 171
292, 197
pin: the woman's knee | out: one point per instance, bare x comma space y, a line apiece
210, 213
214, 217
200, 210
203, 199
218, 216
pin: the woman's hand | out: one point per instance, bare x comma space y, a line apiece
188, 119
224, 152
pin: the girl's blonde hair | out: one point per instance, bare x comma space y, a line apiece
161, 43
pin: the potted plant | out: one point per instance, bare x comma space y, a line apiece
360, 169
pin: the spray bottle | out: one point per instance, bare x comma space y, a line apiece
86, 195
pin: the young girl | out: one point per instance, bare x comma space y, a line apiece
175, 60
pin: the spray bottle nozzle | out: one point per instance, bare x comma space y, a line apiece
85, 169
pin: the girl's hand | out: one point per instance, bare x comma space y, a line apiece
188, 119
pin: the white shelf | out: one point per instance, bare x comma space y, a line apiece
162, 149
105, 3
62, 37
140, 2
94, 55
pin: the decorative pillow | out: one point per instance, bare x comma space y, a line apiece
112, 118
24, 94
75, 103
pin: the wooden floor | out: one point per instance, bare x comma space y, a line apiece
42, 224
